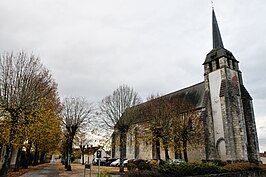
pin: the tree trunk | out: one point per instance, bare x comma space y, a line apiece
36, 156
18, 159
158, 152
69, 154
7, 157
123, 138
66, 157
27, 157
42, 158
166, 153
83, 158
185, 151
82, 148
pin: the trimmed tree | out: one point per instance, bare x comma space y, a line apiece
112, 108
76, 114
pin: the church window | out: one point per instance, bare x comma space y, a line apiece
228, 61
217, 64
234, 66
210, 66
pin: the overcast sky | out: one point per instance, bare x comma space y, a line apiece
155, 46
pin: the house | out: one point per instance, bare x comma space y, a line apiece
90, 153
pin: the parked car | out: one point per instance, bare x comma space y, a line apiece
176, 161
125, 163
115, 163
102, 161
109, 161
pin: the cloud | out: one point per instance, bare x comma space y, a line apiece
91, 47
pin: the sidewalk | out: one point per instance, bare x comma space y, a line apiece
58, 170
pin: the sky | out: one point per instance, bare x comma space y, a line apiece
154, 46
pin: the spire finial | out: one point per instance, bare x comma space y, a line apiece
216, 35
212, 4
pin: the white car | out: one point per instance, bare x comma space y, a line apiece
177, 161
115, 163
125, 163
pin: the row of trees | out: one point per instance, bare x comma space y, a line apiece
29, 109
32, 117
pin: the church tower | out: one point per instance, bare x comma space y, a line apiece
231, 130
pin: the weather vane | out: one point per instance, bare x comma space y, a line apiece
212, 3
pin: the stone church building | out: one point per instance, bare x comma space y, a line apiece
223, 104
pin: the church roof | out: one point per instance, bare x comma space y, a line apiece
193, 95
218, 50
216, 35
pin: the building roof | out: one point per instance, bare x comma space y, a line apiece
194, 95
218, 50
216, 35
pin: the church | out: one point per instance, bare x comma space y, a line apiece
221, 102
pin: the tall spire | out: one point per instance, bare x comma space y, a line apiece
216, 35
218, 50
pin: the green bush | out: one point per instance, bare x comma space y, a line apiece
141, 164
241, 166
144, 166
131, 166
219, 163
138, 161
144, 173
187, 169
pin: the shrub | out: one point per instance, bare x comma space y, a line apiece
241, 166
141, 164
144, 166
143, 173
131, 166
186, 169
138, 161
219, 163
154, 164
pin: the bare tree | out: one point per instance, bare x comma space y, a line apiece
113, 107
76, 115
24, 82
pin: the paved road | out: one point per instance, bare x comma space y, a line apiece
46, 171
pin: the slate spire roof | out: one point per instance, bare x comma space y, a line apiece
218, 50
216, 35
